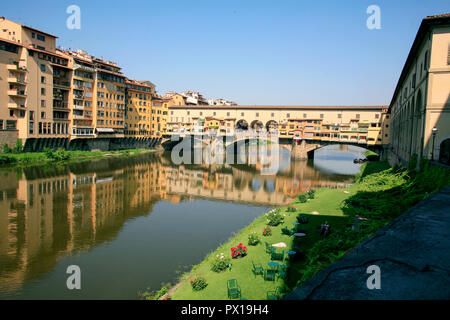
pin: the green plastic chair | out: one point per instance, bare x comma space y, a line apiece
282, 272
274, 295
275, 255
234, 291
257, 269
269, 274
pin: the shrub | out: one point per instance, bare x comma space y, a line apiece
302, 198
267, 231
412, 163
58, 155
290, 209
19, 146
311, 194
220, 263
274, 218
6, 149
6, 159
253, 239
239, 251
153, 295
199, 283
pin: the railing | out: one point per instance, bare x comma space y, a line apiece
16, 92
61, 83
60, 104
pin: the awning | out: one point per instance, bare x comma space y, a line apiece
105, 130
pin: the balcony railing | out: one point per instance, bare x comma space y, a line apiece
60, 104
14, 105
16, 68
16, 80
17, 92
64, 84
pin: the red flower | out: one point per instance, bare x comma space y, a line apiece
192, 281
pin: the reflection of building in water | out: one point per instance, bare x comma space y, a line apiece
41, 219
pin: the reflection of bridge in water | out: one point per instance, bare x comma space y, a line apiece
244, 183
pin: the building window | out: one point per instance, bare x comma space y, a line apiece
257, 114
425, 61
340, 116
42, 79
42, 115
288, 115
43, 67
358, 116
242, 114
43, 91
11, 124
31, 129
305, 116
40, 37
377, 116
321, 116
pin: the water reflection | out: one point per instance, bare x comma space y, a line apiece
49, 213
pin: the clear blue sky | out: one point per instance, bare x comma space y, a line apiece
304, 52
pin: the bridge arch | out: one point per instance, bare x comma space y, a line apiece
242, 125
257, 125
271, 126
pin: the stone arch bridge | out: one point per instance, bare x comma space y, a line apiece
300, 149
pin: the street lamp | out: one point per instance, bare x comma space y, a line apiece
434, 131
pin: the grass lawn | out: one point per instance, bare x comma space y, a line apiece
255, 288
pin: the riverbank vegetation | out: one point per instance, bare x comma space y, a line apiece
17, 156
379, 195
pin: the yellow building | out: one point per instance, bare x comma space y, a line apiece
35, 84
81, 97
110, 96
158, 117
420, 107
139, 108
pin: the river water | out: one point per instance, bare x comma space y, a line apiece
132, 223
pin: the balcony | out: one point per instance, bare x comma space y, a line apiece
78, 116
57, 104
17, 93
17, 81
14, 105
65, 85
78, 107
16, 68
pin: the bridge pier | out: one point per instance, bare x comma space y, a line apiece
299, 151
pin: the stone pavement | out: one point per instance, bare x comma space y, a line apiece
413, 253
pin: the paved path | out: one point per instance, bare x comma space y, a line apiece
413, 253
